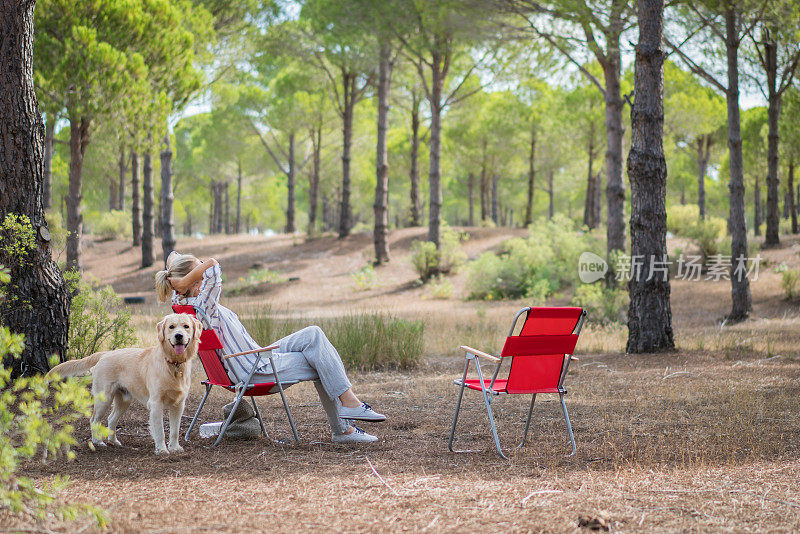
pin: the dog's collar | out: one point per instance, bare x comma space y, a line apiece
175, 365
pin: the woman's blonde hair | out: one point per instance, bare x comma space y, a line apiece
178, 266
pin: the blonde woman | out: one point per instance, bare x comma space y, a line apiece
304, 355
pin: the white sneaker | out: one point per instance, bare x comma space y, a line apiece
362, 413
356, 436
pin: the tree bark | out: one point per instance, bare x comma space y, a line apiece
381, 206
703, 155
123, 170
136, 217
49, 142
772, 238
484, 183
551, 193
290, 186
112, 195
416, 215
790, 191
147, 211
167, 201
36, 281
238, 226
598, 196
591, 185
78, 139
227, 217
740, 285
313, 186
649, 312
495, 199
531, 176
345, 214
757, 208
435, 168
471, 199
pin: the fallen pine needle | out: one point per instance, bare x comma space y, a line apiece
379, 476
540, 492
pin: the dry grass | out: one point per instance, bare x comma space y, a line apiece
705, 439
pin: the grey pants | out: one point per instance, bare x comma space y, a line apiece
308, 355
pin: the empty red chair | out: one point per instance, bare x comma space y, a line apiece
540, 356
217, 376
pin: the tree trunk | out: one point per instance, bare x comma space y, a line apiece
495, 199
36, 281
78, 139
435, 168
790, 191
551, 194
290, 186
345, 215
112, 195
381, 206
49, 142
615, 187
772, 238
649, 312
471, 197
757, 208
147, 211
703, 155
484, 184
588, 211
740, 283
136, 220
598, 197
786, 205
123, 170
238, 226
531, 175
416, 215
167, 201
227, 221
313, 186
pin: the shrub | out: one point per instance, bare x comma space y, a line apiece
789, 280
441, 288
365, 278
365, 341
682, 218
709, 234
254, 277
428, 261
58, 234
533, 267
96, 320
114, 224
603, 305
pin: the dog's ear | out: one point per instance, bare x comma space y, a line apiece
160, 329
198, 329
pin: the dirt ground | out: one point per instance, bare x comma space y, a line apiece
706, 439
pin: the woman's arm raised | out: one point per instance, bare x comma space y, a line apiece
182, 284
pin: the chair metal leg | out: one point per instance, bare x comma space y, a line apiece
527, 422
569, 426
197, 413
288, 414
489, 411
258, 414
239, 397
458, 408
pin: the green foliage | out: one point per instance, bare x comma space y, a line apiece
790, 278
113, 224
365, 278
603, 305
429, 261
253, 278
709, 235
441, 288
364, 341
533, 267
58, 233
96, 320
17, 236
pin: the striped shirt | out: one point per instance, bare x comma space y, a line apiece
226, 324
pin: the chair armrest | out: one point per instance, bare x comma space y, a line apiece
574, 358
476, 352
254, 351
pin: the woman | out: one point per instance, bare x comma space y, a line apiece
303, 355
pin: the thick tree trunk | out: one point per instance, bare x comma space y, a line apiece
757, 208
615, 187
49, 143
591, 184
649, 312
313, 186
345, 215
531, 176
471, 199
495, 199
703, 155
136, 217
740, 283
790, 191
435, 168
147, 211
413, 174
123, 171
772, 238
381, 206
78, 139
167, 201
36, 281
238, 226
290, 186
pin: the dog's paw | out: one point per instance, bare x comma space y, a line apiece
162, 451
115, 442
93, 444
175, 448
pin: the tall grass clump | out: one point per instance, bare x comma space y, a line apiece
365, 341
533, 267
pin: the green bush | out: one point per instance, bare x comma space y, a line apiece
789, 280
441, 288
428, 261
365, 278
603, 305
709, 234
533, 267
96, 319
248, 284
58, 234
682, 218
365, 341
114, 224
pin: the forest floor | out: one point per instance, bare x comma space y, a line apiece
703, 439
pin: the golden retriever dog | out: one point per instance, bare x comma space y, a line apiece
158, 377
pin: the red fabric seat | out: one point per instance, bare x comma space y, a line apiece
540, 354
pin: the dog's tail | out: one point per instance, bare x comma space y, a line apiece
76, 367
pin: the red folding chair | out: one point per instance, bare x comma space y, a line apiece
217, 376
540, 356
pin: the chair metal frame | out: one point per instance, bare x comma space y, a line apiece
242, 387
476, 355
